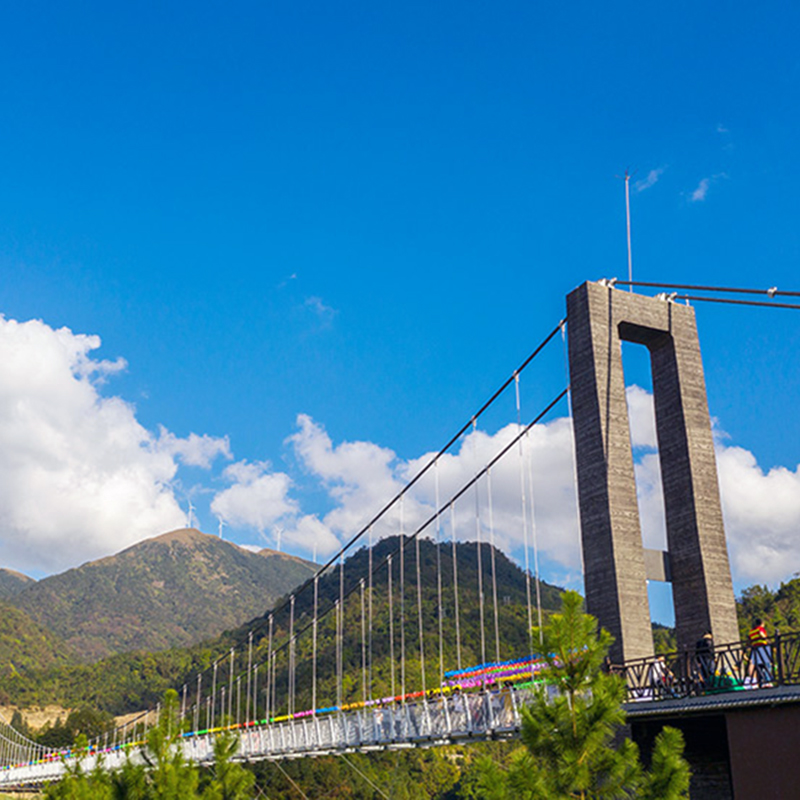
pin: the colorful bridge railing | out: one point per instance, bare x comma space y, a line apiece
432, 721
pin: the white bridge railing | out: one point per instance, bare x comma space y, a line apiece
429, 722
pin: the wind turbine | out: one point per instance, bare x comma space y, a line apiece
278, 530
221, 526
191, 512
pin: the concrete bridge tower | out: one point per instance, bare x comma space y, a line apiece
616, 565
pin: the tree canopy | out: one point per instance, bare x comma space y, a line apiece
570, 729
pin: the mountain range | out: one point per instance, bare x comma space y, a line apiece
169, 591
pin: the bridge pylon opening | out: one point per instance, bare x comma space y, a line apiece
616, 565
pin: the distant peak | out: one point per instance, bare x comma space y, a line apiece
19, 575
184, 535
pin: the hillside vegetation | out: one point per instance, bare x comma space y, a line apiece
780, 609
170, 591
25, 646
12, 583
128, 682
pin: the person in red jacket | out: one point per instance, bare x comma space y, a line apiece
760, 654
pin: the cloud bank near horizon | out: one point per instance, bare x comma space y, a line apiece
80, 478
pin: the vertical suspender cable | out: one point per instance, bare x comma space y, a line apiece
274, 690
494, 565
314, 647
369, 605
440, 613
535, 549
340, 656
268, 702
455, 584
419, 616
213, 696
572, 425
238, 700
249, 675
255, 692
402, 600
338, 611
183, 703
391, 625
197, 703
480, 555
292, 656
230, 690
524, 515
222, 707
363, 644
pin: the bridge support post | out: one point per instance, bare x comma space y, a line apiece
600, 318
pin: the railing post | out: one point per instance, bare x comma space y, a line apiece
778, 657
687, 672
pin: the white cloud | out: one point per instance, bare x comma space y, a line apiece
641, 416
360, 477
762, 516
79, 476
194, 450
324, 313
650, 180
257, 499
544, 463
761, 509
699, 194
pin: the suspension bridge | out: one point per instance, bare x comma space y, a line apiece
420, 633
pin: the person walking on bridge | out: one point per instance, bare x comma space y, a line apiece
760, 654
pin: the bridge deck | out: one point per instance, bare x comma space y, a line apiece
431, 722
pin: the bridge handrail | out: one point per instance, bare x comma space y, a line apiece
694, 671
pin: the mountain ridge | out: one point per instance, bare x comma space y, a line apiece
171, 590
13, 582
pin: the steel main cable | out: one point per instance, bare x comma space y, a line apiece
400, 496
263, 621
414, 536
464, 428
731, 301
772, 292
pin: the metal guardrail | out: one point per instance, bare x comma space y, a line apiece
693, 672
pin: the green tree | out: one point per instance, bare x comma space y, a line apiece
170, 776
231, 781
568, 732
77, 784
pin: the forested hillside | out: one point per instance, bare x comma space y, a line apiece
128, 682
170, 591
26, 647
12, 583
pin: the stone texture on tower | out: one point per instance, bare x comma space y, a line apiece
599, 319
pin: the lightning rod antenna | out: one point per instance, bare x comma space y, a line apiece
628, 217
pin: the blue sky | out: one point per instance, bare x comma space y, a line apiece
368, 214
